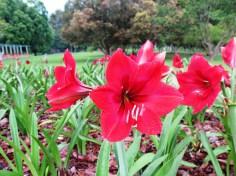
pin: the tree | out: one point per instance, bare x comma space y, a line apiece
23, 24
42, 35
169, 20
56, 21
213, 21
107, 24
143, 25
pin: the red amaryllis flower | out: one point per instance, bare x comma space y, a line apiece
229, 53
133, 96
146, 55
27, 62
68, 88
177, 61
200, 84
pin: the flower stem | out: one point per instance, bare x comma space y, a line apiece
232, 122
102, 168
232, 126
231, 118
233, 85
223, 89
123, 164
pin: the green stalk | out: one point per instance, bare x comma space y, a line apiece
102, 168
232, 126
233, 85
223, 89
123, 164
231, 118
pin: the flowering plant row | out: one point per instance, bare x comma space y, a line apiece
136, 94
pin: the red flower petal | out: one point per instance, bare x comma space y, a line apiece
119, 68
56, 106
149, 123
106, 98
69, 60
114, 126
59, 73
164, 99
67, 95
198, 63
145, 76
147, 54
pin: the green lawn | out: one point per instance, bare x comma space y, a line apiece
57, 59
81, 58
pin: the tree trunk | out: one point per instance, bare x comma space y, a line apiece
216, 50
208, 47
108, 50
212, 50
105, 48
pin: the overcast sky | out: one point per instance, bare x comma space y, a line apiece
53, 5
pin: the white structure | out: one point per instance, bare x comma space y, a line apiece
11, 50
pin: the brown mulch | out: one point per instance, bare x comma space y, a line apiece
196, 154
85, 165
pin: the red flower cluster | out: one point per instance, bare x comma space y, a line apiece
68, 88
102, 60
135, 95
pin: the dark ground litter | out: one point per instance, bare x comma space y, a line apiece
80, 165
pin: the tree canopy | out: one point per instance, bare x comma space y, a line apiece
21, 23
56, 21
109, 24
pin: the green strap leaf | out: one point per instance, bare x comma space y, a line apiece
133, 149
121, 158
34, 145
16, 140
2, 113
152, 167
103, 159
211, 154
141, 162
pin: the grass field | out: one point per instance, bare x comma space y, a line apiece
81, 58
57, 59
